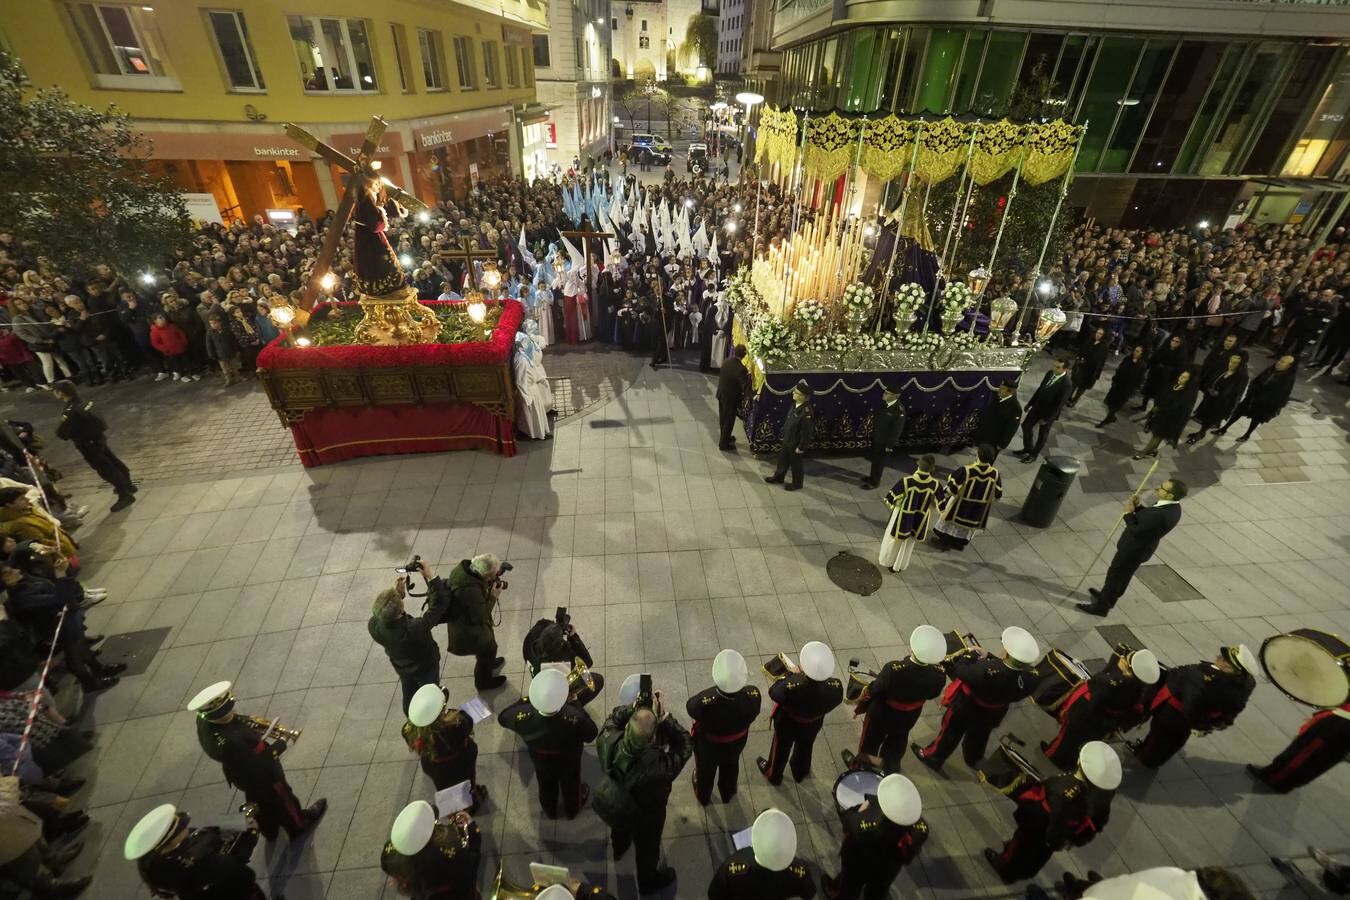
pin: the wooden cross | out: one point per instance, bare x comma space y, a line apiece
467, 253
355, 168
586, 249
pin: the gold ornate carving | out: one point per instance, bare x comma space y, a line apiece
396, 318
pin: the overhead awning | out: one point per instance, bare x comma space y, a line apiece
1305, 184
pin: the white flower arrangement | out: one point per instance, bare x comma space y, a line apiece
809, 313
910, 296
956, 297
921, 341
865, 342
962, 340
770, 340
885, 340
858, 300
819, 343
842, 342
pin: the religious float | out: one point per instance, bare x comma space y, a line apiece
388, 373
852, 307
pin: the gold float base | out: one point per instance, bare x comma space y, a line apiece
396, 318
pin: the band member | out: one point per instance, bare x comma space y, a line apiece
251, 759
554, 732
721, 718
769, 869
427, 859
895, 698
881, 836
978, 698
973, 488
1323, 741
1113, 700
1204, 697
442, 738
177, 861
1062, 811
556, 641
801, 699
912, 502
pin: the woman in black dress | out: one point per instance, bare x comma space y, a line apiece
1164, 367
1171, 412
1129, 376
1222, 393
1265, 398
1091, 361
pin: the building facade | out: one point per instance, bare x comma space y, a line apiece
650, 39
732, 20
211, 87
1193, 109
572, 72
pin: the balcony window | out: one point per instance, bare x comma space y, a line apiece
490, 64
400, 37
236, 50
123, 46
512, 70
464, 64
334, 55
432, 48
541, 51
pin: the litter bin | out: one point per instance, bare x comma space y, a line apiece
1048, 490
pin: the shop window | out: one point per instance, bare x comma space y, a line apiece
401, 56
1247, 109
236, 50
123, 46
432, 48
939, 69
512, 71
1136, 104
541, 51
490, 64
464, 64
1111, 76
1320, 149
1177, 105
1002, 60
334, 55
1307, 82
1209, 107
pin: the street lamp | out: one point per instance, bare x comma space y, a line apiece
747, 99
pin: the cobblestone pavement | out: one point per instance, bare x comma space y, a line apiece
666, 550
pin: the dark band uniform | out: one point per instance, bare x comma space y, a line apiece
740, 878
892, 704
721, 726
1107, 702
1059, 812
555, 744
800, 705
444, 869
546, 641
1322, 742
445, 748
874, 851
977, 699
1199, 697
254, 767
200, 867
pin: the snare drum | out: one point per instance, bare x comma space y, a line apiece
958, 643
1057, 675
1311, 666
858, 680
1007, 771
853, 787
778, 667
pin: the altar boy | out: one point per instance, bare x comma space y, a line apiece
912, 502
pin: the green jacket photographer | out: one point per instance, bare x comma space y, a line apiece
474, 586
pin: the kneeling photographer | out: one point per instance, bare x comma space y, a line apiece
407, 639
475, 587
556, 641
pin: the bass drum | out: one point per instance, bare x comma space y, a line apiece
1311, 666
1056, 677
854, 786
1006, 770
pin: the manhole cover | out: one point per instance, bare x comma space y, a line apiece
853, 573
1166, 584
135, 648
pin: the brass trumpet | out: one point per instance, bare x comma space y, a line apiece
506, 890
261, 725
579, 679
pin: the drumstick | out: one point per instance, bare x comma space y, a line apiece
1147, 475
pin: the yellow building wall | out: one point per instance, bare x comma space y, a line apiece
41, 32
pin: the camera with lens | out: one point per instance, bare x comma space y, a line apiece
562, 618
411, 568
499, 582
646, 698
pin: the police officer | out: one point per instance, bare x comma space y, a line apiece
251, 764
1322, 742
978, 698
795, 437
1062, 811
895, 698
556, 641
881, 836
801, 700
442, 737
89, 433
721, 717
1113, 700
1204, 697
191, 863
427, 859
769, 869
554, 732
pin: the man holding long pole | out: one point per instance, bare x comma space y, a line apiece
1145, 527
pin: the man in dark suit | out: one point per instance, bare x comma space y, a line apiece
796, 436
731, 384
998, 422
1044, 408
888, 423
1145, 527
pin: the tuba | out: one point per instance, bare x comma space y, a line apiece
262, 726
578, 680
506, 890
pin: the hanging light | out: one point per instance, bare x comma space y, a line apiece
492, 278
559, 265
1051, 321
731, 227
283, 316
1001, 312
977, 279
147, 278
477, 311
328, 281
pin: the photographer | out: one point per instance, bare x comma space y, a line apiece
556, 641
475, 586
642, 749
407, 639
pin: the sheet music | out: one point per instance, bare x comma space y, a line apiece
741, 839
475, 709
454, 798
544, 875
